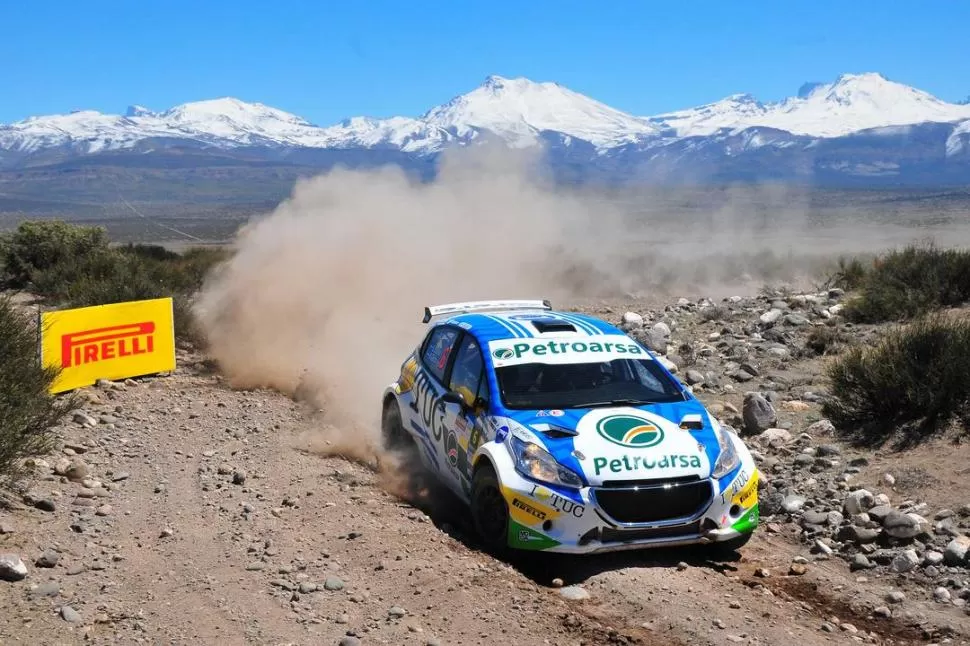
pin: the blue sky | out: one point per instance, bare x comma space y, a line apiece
327, 60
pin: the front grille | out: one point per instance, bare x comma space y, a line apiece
655, 502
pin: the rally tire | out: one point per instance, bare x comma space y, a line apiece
490, 512
392, 428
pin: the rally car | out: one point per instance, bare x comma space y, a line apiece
564, 434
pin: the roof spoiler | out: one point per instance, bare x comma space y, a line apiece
478, 306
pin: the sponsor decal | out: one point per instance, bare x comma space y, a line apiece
646, 463
630, 431
555, 412
406, 380
501, 433
745, 489
605, 348
557, 502
108, 342
527, 538
518, 503
748, 522
528, 512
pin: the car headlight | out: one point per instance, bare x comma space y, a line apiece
533, 461
729, 458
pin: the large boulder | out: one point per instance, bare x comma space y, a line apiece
758, 414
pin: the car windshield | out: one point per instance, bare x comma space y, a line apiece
586, 385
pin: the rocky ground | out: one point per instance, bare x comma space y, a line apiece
176, 510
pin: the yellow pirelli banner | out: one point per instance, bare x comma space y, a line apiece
108, 342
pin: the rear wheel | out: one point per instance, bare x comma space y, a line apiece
490, 512
392, 428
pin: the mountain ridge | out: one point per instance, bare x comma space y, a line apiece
856, 109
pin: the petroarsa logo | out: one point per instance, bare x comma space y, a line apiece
630, 431
503, 353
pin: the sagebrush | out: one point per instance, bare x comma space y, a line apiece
907, 283
914, 382
75, 266
27, 409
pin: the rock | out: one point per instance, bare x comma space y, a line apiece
6, 527
814, 517
821, 427
70, 615
574, 593
77, 471
795, 406
793, 503
896, 597
955, 553
655, 341
771, 316
668, 364
84, 419
306, 587
858, 535
860, 562
48, 558
903, 562
557, 582
932, 558
888, 480
900, 525
757, 413
773, 435
797, 569
349, 640
12, 568
662, 329
238, 477
632, 320
858, 501
879, 512
883, 612
795, 320
694, 377
941, 595
333, 584
396, 612
45, 504
46, 589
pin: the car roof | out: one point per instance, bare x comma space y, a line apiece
518, 324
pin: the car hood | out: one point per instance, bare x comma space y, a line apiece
626, 443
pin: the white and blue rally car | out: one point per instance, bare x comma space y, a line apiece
565, 434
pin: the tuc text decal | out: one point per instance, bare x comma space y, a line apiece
108, 342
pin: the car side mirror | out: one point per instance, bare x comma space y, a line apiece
451, 397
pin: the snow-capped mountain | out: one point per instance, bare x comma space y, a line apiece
852, 103
849, 126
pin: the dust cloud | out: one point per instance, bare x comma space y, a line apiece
323, 297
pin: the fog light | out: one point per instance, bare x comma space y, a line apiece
735, 510
546, 526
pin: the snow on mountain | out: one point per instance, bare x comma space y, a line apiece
853, 102
518, 109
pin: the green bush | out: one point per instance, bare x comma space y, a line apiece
27, 409
916, 380
850, 273
75, 267
907, 283
37, 246
827, 339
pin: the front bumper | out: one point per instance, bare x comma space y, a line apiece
635, 515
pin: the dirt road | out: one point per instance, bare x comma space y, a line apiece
185, 512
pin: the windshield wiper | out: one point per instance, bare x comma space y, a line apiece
614, 402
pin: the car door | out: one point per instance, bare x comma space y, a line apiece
424, 411
463, 420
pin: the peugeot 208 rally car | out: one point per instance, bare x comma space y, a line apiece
564, 434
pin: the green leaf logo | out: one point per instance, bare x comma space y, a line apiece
630, 431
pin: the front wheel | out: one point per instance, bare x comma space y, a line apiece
490, 513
